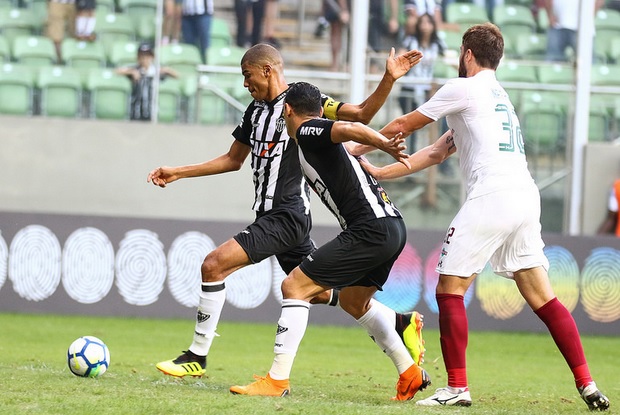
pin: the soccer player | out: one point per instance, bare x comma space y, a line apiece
283, 222
358, 260
500, 218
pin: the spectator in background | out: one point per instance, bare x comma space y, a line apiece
416, 8
336, 13
611, 224
378, 26
423, 38
173, 10
85, 19
271, 17
250, 14
142, 75
196, 24
563, 25
61, 16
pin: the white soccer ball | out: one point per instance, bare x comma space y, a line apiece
88, 357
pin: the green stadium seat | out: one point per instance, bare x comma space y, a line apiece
78, 53
182, 57
123, 53
607, 20
514, 19
109, 94
105, 7
531, 46
543, 121
613, 53
231, 56
512, 71
556, 73
5, 51
605, 75
113, 27
466, 14
206, 107
443, 70
220, 33
169, 100
136, 9
16, 89
146, 28
34, 50
451, 39
601, 108
18, 22
60, 91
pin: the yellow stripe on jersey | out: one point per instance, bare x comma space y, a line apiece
330, 108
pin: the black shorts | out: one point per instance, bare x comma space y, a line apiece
284, 233
361, 255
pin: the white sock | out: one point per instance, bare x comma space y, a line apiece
291, 329
385, 310
382, 331
80, 25
90, 25
212, 298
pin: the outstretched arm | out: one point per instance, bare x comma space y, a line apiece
405, 124
343, 131
395, 67
231, 161
428, 156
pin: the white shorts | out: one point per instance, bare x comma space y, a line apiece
501, 227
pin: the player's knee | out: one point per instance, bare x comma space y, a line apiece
211, 268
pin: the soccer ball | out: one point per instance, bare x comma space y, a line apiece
88, 357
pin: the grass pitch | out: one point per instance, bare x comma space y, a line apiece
338, 371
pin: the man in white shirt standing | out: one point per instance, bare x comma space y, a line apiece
499, 221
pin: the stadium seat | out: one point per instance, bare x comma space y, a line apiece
466, 14
169, 100
514, 19
123, 53
109, 94
16, 89
60, 91
5, 51
146, 28
601, 107
512, 71
605, 75
34, 50
206, 107
543, 122
83, 56
607, 21
531, 46
39, 10
105, 7
451, 39
113, 27
18, 22
182, 57
136, 9
613, 52
220, 33
556, 73
231, 83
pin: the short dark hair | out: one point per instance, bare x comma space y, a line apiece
304, 98
486, 43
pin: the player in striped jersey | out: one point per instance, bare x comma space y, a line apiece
282, 224
358, 260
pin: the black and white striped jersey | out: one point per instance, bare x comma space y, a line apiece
278, 181
345, 188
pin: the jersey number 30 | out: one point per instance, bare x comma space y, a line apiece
512, 128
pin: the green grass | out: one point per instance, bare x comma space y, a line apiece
337, 371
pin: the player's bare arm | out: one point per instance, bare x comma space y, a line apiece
428, 156
395, 67
231, 161
347, 131
404, 124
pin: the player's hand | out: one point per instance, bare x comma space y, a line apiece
161, 176
373, 170
396, 147
397, 66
